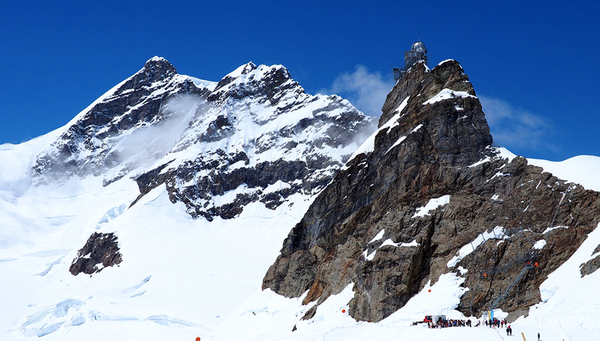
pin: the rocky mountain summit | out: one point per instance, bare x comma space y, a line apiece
428, 194
92, 142
261, 138
255, 136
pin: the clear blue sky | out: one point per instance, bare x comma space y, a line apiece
534, 64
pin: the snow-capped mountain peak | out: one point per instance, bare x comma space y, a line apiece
257, 118
209, 138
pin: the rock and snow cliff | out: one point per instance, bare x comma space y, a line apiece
173, 195
426, 195
253, 136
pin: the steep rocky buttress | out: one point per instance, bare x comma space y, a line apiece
426, 195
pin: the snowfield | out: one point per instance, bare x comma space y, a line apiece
582, 169
183, 278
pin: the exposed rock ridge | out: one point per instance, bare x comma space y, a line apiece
263, 140
87, 146
255, 136
433, 145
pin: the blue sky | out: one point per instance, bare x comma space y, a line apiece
534, 64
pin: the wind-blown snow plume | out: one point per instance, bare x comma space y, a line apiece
151, 142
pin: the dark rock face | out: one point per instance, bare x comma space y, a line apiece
592, 265
134, 104
100, 251
433, 141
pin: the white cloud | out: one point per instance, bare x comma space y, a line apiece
514, 127
151, 142
365, 90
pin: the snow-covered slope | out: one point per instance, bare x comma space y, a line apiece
179, 277
582, 169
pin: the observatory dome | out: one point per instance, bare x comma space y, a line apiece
418, 46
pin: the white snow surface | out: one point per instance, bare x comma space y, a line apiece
539, 244
583, 169
388, 242
180, 277
447, 94
378, 236
431, 205
554, 228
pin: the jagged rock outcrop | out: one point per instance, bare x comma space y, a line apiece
263, 139
592, 265
100, 251
427, 194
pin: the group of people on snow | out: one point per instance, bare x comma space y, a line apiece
443, 323
496, 323
440, 321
